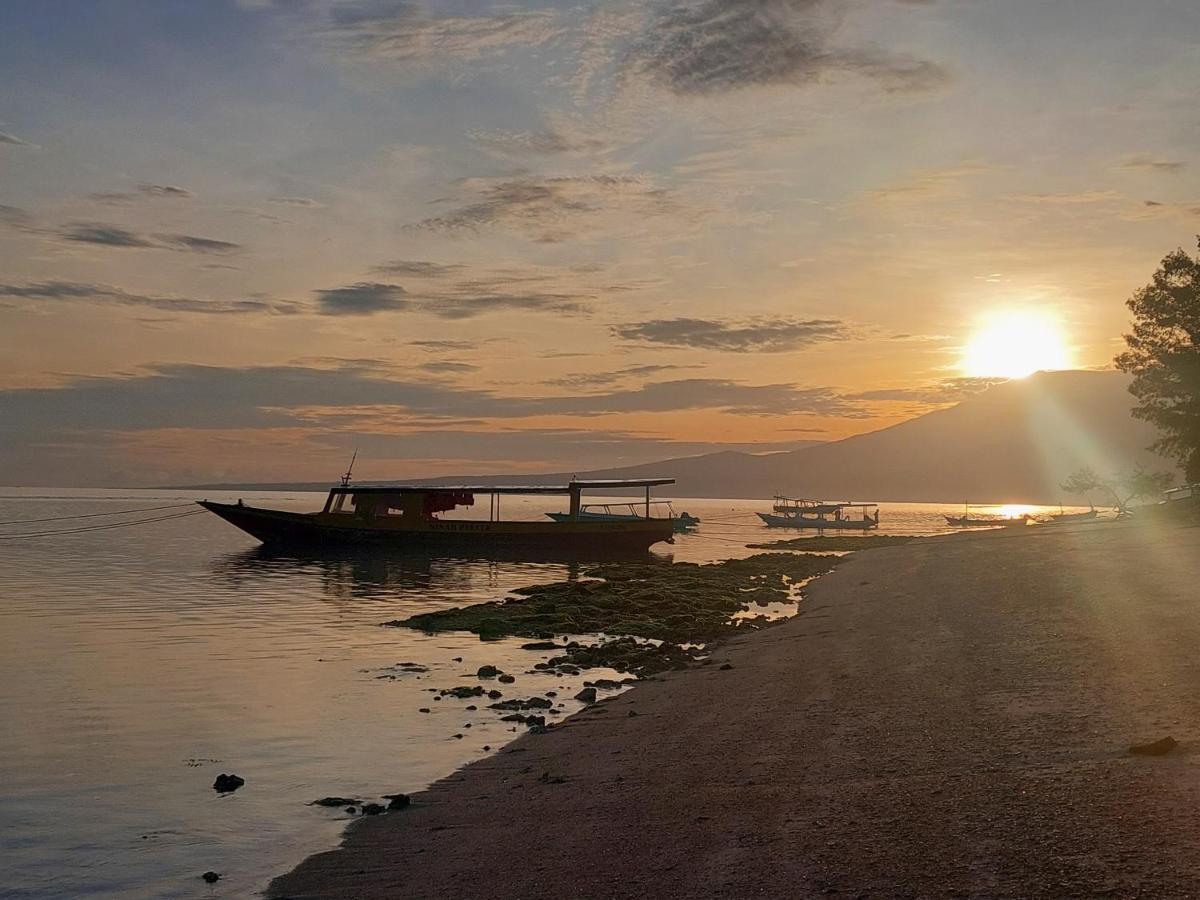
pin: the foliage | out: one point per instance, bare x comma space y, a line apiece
1164, 358
1122, 489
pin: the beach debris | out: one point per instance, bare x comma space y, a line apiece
1161, 747
226, 784
397, 801
211, 877
587, 695
335, 801
487, 672
372, 809
506, 679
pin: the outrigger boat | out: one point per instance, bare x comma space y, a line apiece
966, 520
406, 517
822, 515
1065, 518
628, 512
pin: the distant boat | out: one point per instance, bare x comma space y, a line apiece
628, 512
1064, 518
406, 517
966, 520
821, 515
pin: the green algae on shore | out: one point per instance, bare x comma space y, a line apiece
678, 603
835, 543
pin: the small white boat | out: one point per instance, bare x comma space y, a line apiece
821, 515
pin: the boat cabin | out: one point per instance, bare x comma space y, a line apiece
425, 502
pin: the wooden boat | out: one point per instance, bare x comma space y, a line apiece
628, 512
1065, 518
966, 520
406, 517
821, 515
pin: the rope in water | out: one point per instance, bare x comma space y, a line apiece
104, 527
116, 512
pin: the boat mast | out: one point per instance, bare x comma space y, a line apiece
350, 471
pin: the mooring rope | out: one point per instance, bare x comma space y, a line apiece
117, 512
103, 527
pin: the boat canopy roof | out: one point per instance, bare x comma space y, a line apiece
569, 488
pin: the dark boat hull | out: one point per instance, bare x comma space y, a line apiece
464, 537
818, 525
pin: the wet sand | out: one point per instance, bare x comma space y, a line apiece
946, 718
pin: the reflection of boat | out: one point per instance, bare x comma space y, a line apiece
1063, 518
966, 520
821, 515
406, 517
627, 512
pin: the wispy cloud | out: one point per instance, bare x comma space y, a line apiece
1153, 164
12, 140
74, 291
363, 299
763, 335
305, 202
417, 268
549, 209
717, 46
106, 235
403, 32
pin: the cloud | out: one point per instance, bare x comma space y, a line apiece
67, 291
718, 46
165, 190
196, 244
764, 335
16, 218
447, 367
363, 299
416, 269
1150, 164
550, 209
598, 379
928, 184
306, 202
105, 235
947, 391
402, 32
546, 142
12, 140
92, 410
115, 236
433, 345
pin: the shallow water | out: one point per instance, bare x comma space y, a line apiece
138, 663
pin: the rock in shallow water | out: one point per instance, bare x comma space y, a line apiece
587, 695
227, 783
335, 801
1161, 747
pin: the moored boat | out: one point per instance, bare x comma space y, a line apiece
966, 520
407, 517
821, 515
628, 512
1065, 518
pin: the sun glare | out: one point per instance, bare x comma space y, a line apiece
1014, 345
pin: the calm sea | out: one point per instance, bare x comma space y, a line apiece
137, 663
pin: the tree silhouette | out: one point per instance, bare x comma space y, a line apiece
1164, 358
1122, 489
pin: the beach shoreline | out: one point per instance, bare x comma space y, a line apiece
948, 717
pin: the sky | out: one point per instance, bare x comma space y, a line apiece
241, 238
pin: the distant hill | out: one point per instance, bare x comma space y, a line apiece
1012, 443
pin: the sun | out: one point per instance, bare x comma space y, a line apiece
1015, 344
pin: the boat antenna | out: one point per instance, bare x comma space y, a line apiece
350, 471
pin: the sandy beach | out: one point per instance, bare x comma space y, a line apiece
946, 718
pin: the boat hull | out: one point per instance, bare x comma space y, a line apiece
581, 540
818, 525
679, 524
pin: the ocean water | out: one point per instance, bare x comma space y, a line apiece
137, 663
